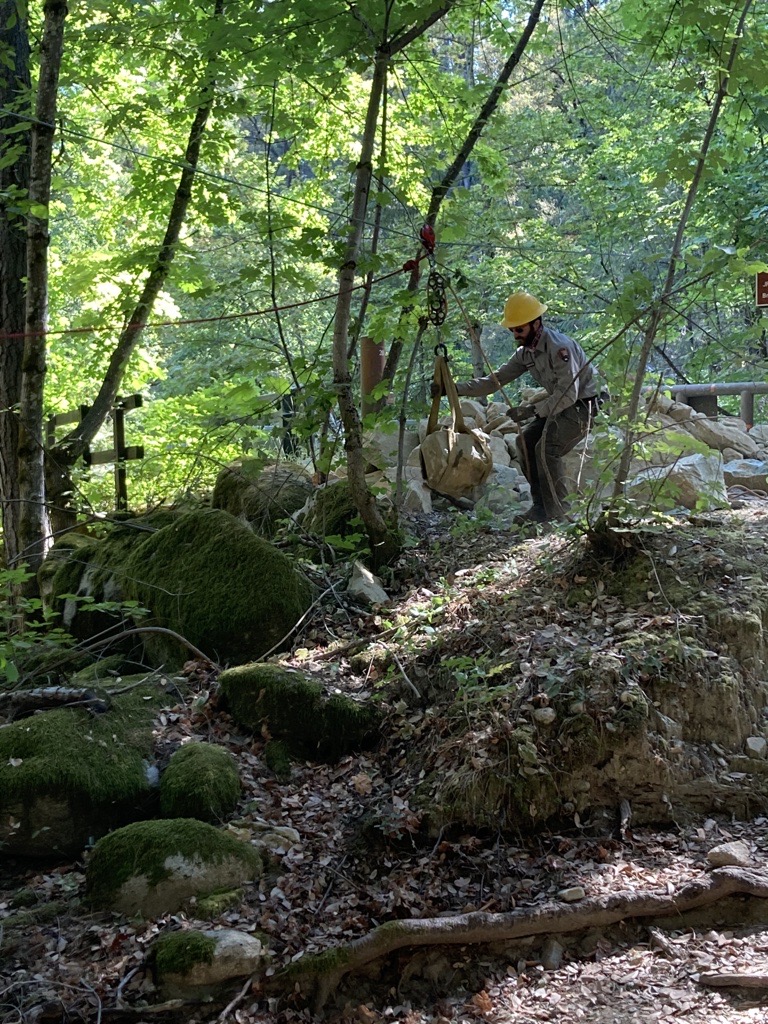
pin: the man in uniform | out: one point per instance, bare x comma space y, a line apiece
557, 422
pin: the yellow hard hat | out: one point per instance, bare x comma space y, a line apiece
521, 308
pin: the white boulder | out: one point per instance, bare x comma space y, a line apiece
694, 482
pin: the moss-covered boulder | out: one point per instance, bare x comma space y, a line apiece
332, 512
333, 516
67, 776
154, 867
201, 781
262, 495
295, 709
198, 965
203, 574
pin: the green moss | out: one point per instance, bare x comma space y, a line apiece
347, 725
90, 759
509, 781
143, 848
215, 903
633, 709
288, 702
201, 781
262, 495
65, 565
233, 481
210, 578
179, 952
294, 709
333, 512
316, 965
102, 669
278, 759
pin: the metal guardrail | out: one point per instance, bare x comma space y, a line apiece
703, 397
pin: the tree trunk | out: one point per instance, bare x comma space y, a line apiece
33, 519
380, 538
71, 447
14, 183
659, 311
375, 526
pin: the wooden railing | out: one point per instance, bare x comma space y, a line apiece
120, 453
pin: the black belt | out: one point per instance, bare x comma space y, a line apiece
595, 401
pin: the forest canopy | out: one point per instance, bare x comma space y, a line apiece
574, 189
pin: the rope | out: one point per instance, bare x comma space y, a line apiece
95, 328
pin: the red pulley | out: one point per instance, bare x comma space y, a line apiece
427, 236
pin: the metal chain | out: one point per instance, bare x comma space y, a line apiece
437, 304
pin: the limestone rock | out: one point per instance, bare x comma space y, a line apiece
676, 411
495, 411
417, 497
505, 491
756, 746
719, 436
153, 867
365, 586
736, 854
381, 446
499, 450
736, 422
192, 964
274, 838
552, 954
693, 482
749, 473
573, 894
472, 409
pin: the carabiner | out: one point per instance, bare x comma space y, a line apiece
441, 350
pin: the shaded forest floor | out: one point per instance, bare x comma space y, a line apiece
364, 857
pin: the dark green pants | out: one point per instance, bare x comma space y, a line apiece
541, 445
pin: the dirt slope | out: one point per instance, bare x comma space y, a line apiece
485, 631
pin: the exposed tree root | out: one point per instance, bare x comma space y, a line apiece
316, 977
749, 979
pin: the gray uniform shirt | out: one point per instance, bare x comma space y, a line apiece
558, 363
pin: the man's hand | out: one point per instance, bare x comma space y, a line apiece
519, 413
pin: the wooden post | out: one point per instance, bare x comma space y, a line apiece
118, 443
372, 360
119, 453
747, 408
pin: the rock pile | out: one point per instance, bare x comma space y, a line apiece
682, 459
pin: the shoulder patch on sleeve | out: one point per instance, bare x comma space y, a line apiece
564, 354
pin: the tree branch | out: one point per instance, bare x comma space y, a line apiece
75, 442
658, 312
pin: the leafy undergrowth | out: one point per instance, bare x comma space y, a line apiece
468, 605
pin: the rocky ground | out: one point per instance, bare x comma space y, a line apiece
364, 856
